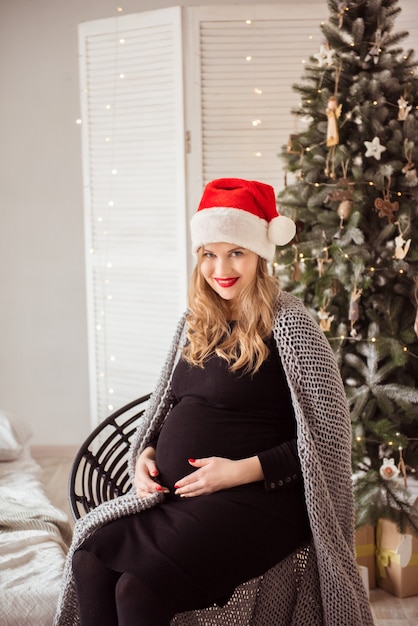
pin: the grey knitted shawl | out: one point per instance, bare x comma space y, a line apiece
319, 584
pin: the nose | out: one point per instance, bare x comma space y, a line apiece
223, 266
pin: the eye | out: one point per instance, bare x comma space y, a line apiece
208, 255
237, 253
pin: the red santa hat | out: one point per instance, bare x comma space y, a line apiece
242, 212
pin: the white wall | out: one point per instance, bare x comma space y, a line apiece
43, 337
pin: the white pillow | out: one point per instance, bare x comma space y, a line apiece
14, 433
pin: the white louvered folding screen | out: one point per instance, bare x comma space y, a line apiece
133, 145
247, 59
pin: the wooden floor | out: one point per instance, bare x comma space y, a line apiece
387, 609
390, 611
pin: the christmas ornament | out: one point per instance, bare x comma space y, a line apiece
389, 471
409, 169
402, 467
325, 319
324, 56
374, 148
322, 262
296, 271
401, 247
376, 48
404, 108
344, 211
343, 194
386, 208
342, 8
333, 114
353, 313
292, 145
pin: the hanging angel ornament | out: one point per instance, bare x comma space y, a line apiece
404, 109
333, 137
333, 114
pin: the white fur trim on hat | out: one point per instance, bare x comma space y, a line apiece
230, 225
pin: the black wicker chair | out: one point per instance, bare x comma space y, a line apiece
100, 469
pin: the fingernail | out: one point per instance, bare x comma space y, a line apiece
176, 486
159, 488
155, 473
192, 460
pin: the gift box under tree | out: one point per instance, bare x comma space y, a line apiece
396, 559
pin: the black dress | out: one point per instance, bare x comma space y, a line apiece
201, 548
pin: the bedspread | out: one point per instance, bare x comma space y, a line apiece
34, 538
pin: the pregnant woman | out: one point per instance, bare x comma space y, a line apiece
244, 455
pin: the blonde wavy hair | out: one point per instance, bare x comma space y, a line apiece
210, 332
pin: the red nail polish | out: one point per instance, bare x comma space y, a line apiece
176, 487
159, 488
192, 460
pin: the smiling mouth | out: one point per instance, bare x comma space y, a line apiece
226, 282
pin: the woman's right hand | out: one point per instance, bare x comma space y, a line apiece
146, 473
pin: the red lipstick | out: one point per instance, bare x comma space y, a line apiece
226, 282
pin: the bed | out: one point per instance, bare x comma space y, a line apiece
34, 534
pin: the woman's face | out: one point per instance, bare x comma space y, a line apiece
228, 268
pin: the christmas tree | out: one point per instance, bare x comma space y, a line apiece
352, 187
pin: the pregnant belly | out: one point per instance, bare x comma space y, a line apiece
194, 430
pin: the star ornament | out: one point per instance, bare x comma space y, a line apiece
374, 148
324, 56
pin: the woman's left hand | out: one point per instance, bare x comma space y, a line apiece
215, 473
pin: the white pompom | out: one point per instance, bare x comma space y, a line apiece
281, 230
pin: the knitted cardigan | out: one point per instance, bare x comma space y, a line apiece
319, 584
